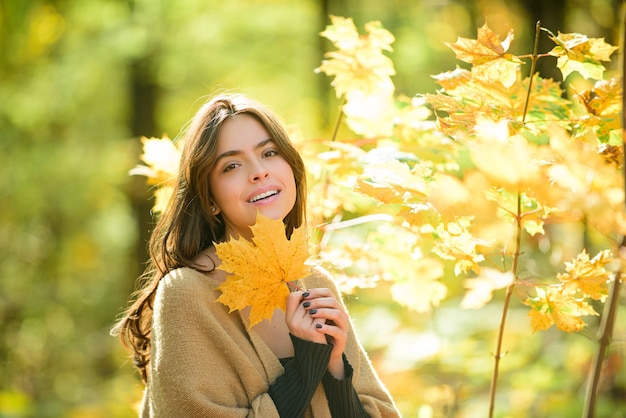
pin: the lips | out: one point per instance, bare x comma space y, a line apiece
263, 195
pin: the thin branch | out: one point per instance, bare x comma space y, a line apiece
516, 253
605, 334
544, 55
505, 309
534, 59
356, 221
325, 237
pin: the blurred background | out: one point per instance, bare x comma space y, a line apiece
82, 80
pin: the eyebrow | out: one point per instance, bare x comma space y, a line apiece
237, 152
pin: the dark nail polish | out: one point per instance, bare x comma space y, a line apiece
318, 326
305, 294
313, 311
306, 304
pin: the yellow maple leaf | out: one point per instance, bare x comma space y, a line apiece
162, 158
450, 80
583, 183
371, 115
359, 64
392, 177
455, 242
488, 56
162, 196
605, 98
480, 289
353, 264
577, 52
493, 141
421, 293
603, 104
589, 277
261, 269
554, 306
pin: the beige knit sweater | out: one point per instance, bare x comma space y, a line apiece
205, 363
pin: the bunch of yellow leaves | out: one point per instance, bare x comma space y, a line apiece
360, 63
162, 157
603, 105
455, 242
262, 270
565, 303
362, 75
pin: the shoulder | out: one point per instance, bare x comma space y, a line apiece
186, 298
184, 282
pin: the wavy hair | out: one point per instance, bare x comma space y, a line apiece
187, 226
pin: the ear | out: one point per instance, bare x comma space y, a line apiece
215, 210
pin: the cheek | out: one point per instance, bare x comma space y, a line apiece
286, 171
292, 185
288, 177
227, 193
222, 190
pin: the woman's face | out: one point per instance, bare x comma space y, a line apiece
250, 175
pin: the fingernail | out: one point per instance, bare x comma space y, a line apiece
318, 326
306, 304
305, 295
313, 311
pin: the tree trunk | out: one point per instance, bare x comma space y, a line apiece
143, 99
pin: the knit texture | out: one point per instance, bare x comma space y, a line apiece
206, 364
293, 390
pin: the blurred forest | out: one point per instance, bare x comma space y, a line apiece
82, 80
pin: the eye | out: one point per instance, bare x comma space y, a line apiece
270, 152
229, 167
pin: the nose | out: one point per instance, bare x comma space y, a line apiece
258, 172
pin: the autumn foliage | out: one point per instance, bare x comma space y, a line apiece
461, 180
504, 151
506, 155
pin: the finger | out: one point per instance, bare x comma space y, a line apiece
331, 317
319, 292
308, 330
338, 336
323, 302
293, 303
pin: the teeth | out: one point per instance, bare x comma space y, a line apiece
263, 195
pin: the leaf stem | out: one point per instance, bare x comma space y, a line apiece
294, 286
339, 118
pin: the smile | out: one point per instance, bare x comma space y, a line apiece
263, 196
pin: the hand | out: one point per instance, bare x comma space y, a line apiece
317, 316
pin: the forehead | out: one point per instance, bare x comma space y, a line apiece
239, 131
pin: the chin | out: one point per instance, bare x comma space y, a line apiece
273, 213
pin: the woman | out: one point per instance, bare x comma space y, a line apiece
196, 358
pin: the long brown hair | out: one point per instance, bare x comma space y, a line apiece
187, 226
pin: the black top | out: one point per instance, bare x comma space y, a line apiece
293, 390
